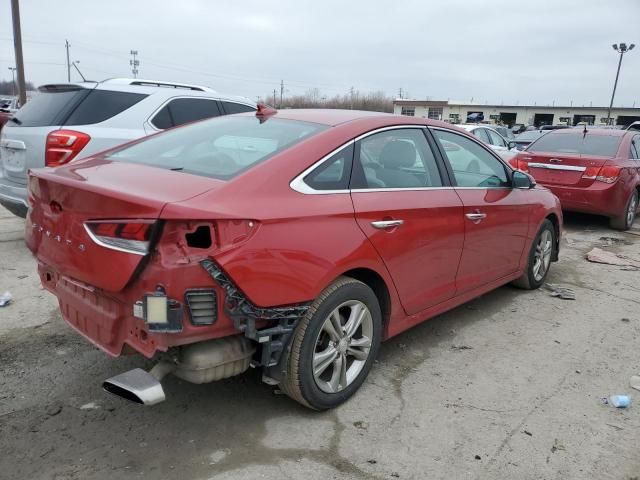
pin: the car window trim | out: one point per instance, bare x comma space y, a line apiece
149, 120
299, 185
508, 169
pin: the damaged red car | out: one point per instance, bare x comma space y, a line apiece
291, 241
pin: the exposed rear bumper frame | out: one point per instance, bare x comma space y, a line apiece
244, 314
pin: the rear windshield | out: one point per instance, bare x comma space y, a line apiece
601, 145
219, 148
49, 108
79, 106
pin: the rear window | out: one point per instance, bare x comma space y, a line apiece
219, 148
49, 108
101, 105
602, 145
231, 107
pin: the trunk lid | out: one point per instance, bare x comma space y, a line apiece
62, 200
562, 169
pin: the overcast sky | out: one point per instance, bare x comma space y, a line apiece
497, 51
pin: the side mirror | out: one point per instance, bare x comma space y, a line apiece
511, 145
522, 180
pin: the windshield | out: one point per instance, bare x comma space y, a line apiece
220, 148
601, 145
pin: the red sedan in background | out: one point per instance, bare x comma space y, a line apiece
592, 171
294, 241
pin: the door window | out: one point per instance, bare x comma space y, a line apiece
398, 158
231, 107
495, 138
184, 110
635, 147
472, 165
481, 133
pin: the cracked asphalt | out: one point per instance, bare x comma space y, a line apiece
509, 385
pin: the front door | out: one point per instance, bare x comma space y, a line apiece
496, 217
414, 221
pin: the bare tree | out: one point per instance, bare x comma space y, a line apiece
353, 99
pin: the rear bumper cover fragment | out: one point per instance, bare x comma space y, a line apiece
244, 314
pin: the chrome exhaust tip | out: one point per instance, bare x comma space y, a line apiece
139, 386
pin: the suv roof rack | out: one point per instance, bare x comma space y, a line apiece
157, 83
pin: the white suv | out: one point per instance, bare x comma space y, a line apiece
66, 120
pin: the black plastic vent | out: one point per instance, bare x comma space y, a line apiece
203, 306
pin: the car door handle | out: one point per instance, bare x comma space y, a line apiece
381, 224
476, 217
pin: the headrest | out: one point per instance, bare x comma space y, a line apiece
397, 154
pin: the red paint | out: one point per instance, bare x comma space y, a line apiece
279, 246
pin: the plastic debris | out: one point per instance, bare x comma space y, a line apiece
635, 382
620, 401
5, 299
597, 255
559, 291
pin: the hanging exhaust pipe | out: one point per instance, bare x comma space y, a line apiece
139, 386
196, 363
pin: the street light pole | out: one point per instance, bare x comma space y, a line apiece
622, 48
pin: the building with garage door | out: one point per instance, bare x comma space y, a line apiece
538, 115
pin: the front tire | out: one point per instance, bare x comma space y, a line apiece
626, 219
334, 346
540, 258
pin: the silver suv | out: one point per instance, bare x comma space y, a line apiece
67, 120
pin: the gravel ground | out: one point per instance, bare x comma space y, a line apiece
507, 386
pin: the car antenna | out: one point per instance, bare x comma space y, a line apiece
264, 112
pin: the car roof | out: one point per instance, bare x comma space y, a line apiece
149, 87
331, 117
590, 131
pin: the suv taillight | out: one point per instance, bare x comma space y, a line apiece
124, 236
63, 146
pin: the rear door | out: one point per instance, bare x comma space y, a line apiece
23, 138
496, 217
413, 219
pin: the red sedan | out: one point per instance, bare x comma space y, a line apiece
593, 171
293, 241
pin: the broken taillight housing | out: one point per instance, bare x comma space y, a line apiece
122, 235
63, 146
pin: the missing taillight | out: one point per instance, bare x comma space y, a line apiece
199, 238
124, 236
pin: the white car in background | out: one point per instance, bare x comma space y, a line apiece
491, 137
73, 120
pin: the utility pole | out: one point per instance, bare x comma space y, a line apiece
281, 91
134, 62
622, 48
17, 44
274, 98
400, 93
351, 94
67, 45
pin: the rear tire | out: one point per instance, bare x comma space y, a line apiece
626, 219
540, 256
330, 356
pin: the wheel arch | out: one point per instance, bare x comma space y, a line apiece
555, 221
374, 280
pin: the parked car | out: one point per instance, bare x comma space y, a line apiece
293, 241
633, 126
523, 139
593, 171
68, 121
491, 137
506, 132
518, 128
9, 105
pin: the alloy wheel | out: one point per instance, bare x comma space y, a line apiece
342, 346
631, 211
542, 256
